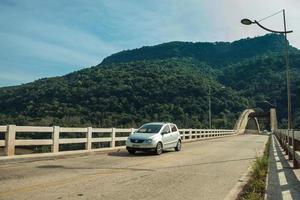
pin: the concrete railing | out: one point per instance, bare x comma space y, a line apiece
10, 141
290, 142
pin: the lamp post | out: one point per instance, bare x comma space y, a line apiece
209, 105
288, 81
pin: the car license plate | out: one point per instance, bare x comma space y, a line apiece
135, 145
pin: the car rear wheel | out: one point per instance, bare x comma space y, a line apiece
131, 151
159, 148
178, 146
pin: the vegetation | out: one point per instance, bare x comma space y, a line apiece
167, 82
126, 94
216, 54
255, 188
264, 78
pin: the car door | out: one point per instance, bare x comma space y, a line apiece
166, 137
174, 135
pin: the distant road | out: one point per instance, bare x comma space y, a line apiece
202, 170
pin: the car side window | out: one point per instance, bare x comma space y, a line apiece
173, 127
166, 129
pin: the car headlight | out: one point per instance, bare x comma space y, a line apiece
148, 141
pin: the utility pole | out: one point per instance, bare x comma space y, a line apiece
288, 75
209, 105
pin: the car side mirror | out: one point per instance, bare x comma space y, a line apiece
163, 133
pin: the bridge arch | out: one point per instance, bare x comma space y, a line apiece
242, 122
248, 121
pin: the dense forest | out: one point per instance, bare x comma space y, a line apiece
217, 54
167, 82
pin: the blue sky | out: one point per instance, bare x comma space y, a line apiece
43, 38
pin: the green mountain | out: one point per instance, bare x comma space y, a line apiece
126, 94
218, 53
262, 79
167, 82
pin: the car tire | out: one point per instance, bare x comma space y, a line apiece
178, 146
131, 151
159, 148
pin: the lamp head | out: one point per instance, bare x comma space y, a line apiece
246, 21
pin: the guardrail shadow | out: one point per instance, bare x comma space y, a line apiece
116, 169
137, 154
282, 181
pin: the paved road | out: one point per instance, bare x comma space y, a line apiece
202, 170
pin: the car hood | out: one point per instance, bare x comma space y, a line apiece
142, 135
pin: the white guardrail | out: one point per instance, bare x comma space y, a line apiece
113, 136
290, 142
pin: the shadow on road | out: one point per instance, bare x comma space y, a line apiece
139, 153
111, 169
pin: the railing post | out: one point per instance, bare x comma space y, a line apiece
282, 138
296, 147
284, 143
88, 145
287, 142
190, 134
132, 131
293, 146
113, 137
55, 139
10, 137
289, 145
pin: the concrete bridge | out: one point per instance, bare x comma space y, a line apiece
213, 164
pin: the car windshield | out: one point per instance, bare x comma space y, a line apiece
150, 128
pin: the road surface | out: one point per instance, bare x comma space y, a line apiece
206, 169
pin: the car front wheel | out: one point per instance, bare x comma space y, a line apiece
131, 151
159, 148
178, 146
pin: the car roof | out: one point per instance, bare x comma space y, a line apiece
160, 123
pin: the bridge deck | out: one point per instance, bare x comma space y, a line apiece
202, 170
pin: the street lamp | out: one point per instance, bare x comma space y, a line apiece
288, 81
270, 104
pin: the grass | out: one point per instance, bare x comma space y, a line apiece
255, 188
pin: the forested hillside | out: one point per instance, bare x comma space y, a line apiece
126, 94
167, 82
216, 54
264, 78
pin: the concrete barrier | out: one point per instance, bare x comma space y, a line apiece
290, 142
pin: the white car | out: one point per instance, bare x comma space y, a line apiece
156, 136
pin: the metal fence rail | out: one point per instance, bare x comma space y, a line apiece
112, 136
290, 142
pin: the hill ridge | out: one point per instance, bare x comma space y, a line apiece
214, 53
